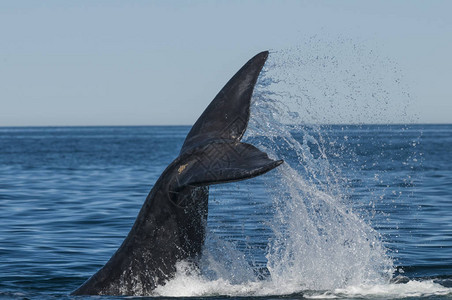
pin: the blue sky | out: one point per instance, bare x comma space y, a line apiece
162, 62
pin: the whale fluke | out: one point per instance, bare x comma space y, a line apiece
171, 224
227, 115
224, 162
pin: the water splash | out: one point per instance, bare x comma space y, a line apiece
320, 246
319, 242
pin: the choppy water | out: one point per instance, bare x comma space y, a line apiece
68, 197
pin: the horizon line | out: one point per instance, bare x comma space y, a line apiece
183, 125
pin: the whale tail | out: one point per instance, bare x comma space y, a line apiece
217, 155
226, 117
170, 226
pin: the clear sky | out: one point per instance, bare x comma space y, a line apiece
161, 62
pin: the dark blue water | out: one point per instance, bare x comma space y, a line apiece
69, 196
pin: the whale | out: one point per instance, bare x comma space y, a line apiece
171, 224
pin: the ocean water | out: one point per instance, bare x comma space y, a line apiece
357, 211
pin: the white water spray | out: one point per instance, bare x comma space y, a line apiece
319, 246
319, 242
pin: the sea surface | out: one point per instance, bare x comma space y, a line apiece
357, 211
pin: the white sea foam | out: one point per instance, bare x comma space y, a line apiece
195, 285
413, 288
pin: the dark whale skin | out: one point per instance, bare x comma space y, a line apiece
171, 224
